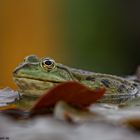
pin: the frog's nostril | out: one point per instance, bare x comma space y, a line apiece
15, 72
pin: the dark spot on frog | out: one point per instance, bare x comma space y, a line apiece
125, 82
136, 82
132, 87
106, 82
90, 78
121, 88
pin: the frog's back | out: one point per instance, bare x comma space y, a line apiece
118, 89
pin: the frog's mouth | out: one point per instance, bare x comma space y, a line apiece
35, 79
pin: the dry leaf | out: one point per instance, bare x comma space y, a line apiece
70, 92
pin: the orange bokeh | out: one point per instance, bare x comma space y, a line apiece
23, 31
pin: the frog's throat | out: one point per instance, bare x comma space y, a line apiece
33, 87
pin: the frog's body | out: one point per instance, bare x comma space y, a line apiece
34, 76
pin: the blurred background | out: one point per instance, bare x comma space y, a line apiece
98, 35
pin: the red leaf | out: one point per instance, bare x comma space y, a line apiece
70, 92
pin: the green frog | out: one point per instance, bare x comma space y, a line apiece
34, 76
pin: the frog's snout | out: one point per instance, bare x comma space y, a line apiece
25, 65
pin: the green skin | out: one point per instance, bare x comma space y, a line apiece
34, 78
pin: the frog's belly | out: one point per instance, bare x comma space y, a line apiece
117, 99
33, 87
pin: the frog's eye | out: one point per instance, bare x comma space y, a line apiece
48, 64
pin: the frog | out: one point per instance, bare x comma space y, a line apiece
34, 76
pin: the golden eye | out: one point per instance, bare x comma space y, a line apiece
48, 64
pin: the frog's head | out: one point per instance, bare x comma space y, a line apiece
34, 75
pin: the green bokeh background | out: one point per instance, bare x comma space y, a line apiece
99, 35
